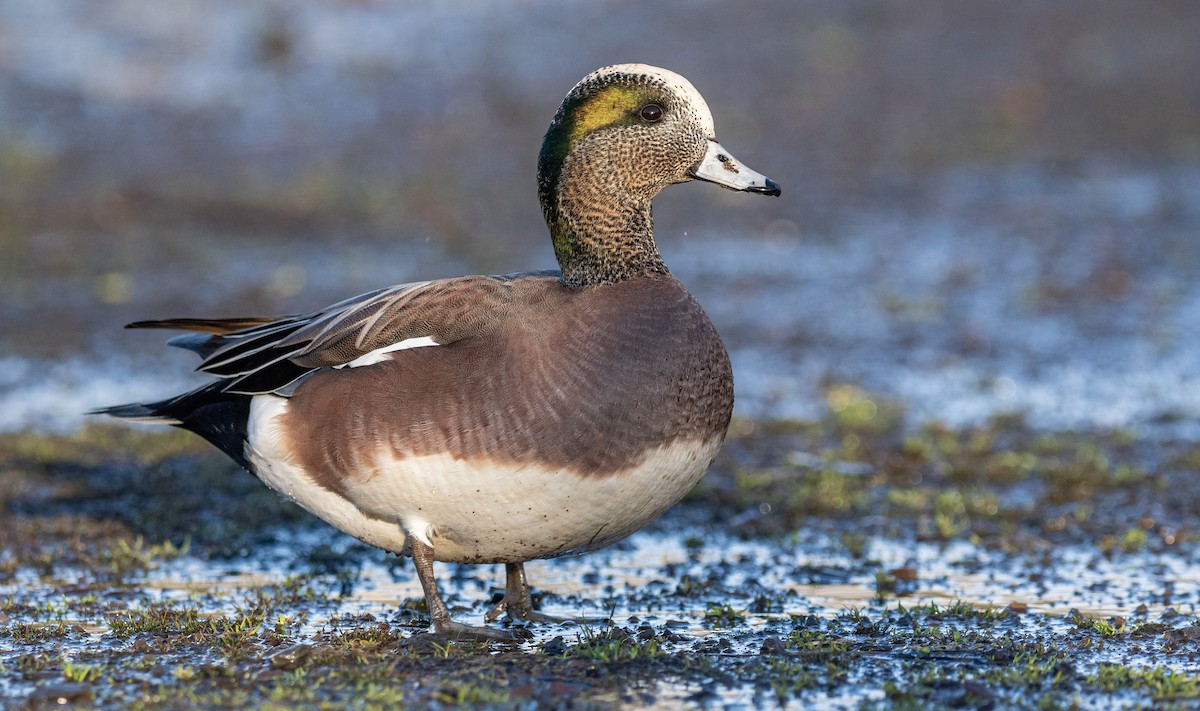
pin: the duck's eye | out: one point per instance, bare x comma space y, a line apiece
651, 113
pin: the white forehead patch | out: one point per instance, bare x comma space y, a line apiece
682, 87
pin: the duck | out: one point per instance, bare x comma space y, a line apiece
498, 419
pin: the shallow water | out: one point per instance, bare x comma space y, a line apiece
620, 583
635, 583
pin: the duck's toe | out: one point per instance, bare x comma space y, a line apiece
451, 631
553, 620
525, 614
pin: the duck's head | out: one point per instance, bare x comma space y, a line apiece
621, 135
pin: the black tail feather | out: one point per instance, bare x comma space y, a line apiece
137, 412
217, 416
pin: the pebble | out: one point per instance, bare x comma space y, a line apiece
290, 657
60, 694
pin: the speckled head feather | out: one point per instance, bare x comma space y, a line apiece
610, 96
602, 162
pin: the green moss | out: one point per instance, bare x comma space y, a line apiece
81, 673
28, 633
1134, 540
615, 645
1161, 683
164, 617
1099, 625
470, 693
724, 615
817, 642
978, 483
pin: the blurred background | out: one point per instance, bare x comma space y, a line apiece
987, 207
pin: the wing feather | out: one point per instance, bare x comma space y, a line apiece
261, 355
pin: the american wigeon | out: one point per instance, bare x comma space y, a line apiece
498, 419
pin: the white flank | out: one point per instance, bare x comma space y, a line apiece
484, 512
267, 451
475, 511
382, 353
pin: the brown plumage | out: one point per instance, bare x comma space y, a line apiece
498, 419
585, 380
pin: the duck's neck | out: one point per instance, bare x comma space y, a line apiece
601, 234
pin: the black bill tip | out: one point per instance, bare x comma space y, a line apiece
771, 188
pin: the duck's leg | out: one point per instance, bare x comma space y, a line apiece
517, 601
439, 615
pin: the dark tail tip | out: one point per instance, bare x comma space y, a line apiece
136, 412
212, 413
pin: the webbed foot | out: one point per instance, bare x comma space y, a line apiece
451, 631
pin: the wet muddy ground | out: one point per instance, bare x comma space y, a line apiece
842, 561
966, 340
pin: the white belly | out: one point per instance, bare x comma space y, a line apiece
475, 511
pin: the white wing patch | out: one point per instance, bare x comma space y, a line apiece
380, 354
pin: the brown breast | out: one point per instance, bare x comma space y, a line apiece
581, 379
